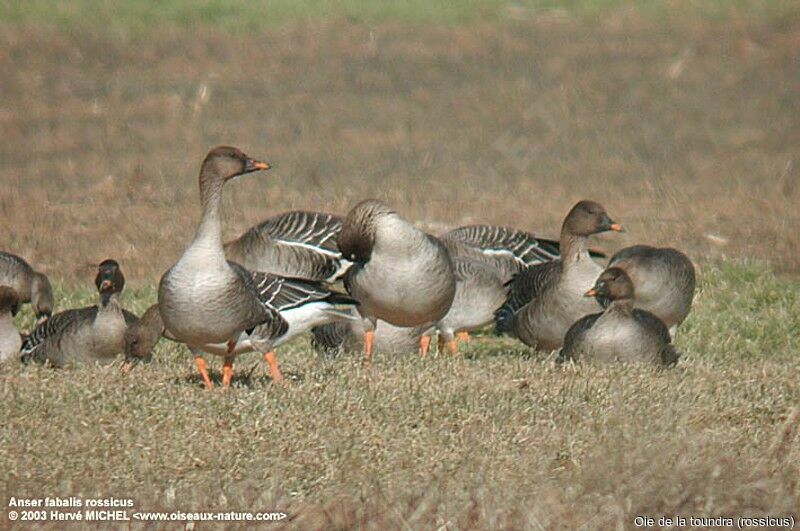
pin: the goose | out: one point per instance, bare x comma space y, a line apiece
664, 281
30, 285
489, 256
298, 244
400, 274
217, 306
10, 340
91, 334
348, 336
621, 333
545, 299
302, 304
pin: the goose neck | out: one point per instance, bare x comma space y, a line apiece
210, 229
573, 246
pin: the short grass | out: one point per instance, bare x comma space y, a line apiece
143, 16
498, 437
685, 128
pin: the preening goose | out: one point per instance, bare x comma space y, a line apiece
296, 244
10, 340
206, 301
30, 286
663, 280
621, 333
91, 334
399, 274
545, 299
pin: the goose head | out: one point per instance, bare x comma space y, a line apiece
587, 218
225, 162
613, 284
109, 279
141, 338
41, 297
9, 301
356, 238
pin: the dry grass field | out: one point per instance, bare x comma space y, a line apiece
686, 127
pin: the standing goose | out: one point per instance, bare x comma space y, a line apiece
31, 286
621, 333
296, 244
302, 305
663, 278
217, 306
400, 274
545, 299
10, 340
91, 334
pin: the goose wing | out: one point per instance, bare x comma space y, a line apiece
284, 293
297, 244
523, 246
524, 287
55, 326
314, 229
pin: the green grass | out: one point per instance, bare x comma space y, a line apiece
243, 15
499, 437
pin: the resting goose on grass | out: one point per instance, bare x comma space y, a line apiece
30, 286
545, 299
399, 274
10, 340
217, 306
621, 333
663, 280
297, 244
92, 334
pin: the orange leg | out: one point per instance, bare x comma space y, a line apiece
452, 345
227, 372
424, 345
201, 366
274, 371
463, 336
369, 335
231, 346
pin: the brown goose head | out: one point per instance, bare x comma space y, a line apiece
357, 235
225, 162
41, 297
613, 284
587, 218
141, 337
109, 280
9, 301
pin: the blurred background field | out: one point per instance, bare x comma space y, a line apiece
680, 117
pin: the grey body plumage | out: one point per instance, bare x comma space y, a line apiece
621, 333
